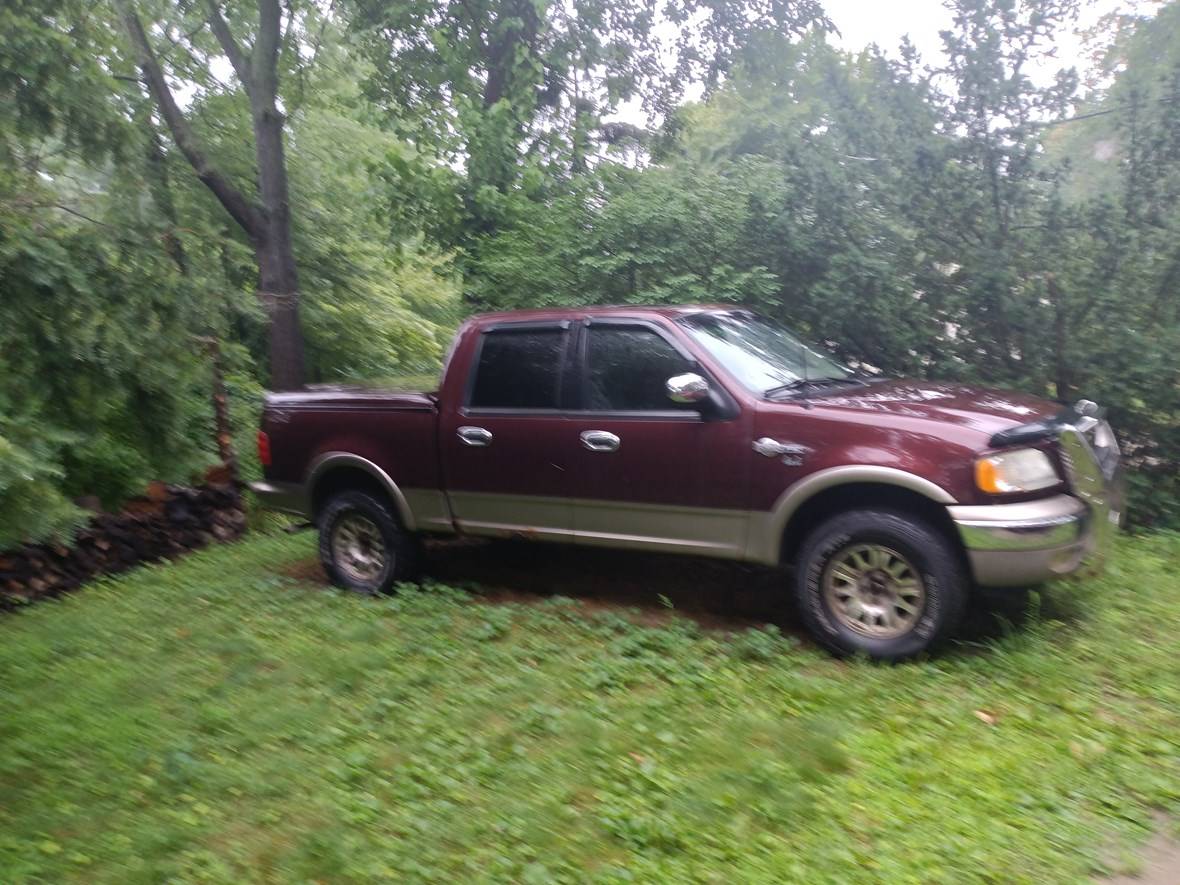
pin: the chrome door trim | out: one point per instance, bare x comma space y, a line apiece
479, 437
600, 441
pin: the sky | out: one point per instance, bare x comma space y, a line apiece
884, 22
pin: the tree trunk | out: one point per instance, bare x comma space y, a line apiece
1062, 375
278, 289
266, 222
278, 279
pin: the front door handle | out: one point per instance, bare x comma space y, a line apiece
600, 441
475, 436
792, 454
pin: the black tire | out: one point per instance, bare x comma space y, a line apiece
384, 538
933, 560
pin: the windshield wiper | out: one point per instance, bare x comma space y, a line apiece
800, 383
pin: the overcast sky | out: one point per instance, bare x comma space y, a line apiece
885, 22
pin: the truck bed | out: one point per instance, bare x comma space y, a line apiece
350, 397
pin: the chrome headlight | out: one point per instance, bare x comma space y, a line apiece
1018, 470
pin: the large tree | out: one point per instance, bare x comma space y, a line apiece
263, 209
501, 86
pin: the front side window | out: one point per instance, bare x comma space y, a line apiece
519, 369
761, 354
627, 369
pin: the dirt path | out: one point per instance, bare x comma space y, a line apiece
646, 587
1161, 859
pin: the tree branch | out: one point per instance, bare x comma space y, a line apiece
286, 35
315, 51
78, 214
242, 210
229, 45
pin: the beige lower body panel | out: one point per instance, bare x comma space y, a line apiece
431, 511
503, 516
620, 524
696, 530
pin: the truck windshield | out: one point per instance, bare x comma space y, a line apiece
761, 354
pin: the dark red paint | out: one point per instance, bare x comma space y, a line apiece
929, 429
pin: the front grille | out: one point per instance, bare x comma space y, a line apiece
1082, 467
1105, 447
1087, 470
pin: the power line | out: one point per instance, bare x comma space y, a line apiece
1103, 113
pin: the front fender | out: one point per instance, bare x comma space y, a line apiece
766, 529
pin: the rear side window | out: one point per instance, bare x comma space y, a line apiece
519, 369
627, 370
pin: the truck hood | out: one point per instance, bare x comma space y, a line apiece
978, 409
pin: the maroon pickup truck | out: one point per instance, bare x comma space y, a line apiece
710, 431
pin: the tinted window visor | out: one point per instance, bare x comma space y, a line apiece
761, 354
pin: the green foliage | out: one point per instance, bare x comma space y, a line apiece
53, 82
520, 88
100, 379
29, 475
955, 224
913, 222
660, 236
449, 739
372, 308
116, 264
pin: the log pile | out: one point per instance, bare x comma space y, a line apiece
163, 523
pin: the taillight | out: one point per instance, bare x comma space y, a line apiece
263, 448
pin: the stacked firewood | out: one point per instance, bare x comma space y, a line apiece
163, 523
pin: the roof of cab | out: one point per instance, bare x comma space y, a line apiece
620, 310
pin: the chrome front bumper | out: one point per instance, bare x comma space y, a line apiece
1013, 545
1023, 544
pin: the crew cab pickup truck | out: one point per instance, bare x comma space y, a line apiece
709, 431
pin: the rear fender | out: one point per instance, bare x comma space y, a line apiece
329, 461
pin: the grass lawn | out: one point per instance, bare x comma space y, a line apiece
221, 720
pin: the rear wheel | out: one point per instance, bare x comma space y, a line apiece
362, 547
879, 582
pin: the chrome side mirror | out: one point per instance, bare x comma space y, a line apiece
687, 388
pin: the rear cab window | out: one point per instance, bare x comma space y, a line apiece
519, 368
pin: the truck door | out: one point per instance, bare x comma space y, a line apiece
503, 438
648, 473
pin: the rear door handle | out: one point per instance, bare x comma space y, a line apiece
475, 436
600, 441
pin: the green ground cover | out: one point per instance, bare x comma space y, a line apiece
219, 720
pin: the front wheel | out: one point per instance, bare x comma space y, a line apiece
879, 582
362, 547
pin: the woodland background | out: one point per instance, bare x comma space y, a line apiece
320, 191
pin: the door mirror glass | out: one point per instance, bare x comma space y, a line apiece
687, 388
